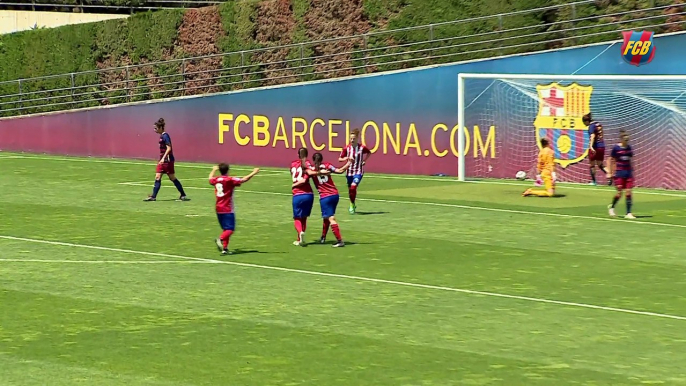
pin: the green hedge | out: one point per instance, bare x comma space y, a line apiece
150, 37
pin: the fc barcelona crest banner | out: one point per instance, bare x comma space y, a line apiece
638, 48
560, 120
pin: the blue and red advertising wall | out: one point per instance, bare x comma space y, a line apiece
408, 118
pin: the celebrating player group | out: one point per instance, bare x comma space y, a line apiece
355, 156
620, 170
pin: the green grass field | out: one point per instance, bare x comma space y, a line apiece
442, 283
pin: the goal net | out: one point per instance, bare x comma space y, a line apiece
525, 108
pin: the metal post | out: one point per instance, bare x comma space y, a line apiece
500, 28
460, 128
183, 74
573, 18
73, 84
128, 84
365, 44
302, 56
20, 94
431, 32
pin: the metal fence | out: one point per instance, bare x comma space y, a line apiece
479, 37
114, 6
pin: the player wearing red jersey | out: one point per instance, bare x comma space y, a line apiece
224, 187
328, 196
303, 196
358, 155
165, 164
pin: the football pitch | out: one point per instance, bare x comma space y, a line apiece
440, 283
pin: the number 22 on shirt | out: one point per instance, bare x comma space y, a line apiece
296, 173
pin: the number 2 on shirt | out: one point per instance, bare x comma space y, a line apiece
297, 173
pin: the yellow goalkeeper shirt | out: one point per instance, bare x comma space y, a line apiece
546, 161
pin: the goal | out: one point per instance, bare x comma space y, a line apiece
523, 108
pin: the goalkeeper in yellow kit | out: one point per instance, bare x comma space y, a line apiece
546, 167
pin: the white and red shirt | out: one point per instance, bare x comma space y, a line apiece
297, 172
224, 187
325, 184
357, 154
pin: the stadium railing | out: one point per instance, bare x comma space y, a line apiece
117, 6
373, 52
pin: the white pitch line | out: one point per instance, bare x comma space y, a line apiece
358, 278
102, 261
373, 176
108, 161
570, 185
456, 206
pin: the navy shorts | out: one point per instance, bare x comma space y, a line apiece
302, 205
624, 179
356, 179
329, 205
227, 221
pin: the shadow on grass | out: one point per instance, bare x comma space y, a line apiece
332, 242
248, 251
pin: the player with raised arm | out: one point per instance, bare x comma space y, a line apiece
358, 155
328, 196
303, 196
224, 187
165, 164
622, 167
546, 168
596, 150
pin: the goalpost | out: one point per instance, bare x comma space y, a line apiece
523, 108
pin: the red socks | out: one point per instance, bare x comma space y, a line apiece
336, 231
325, 230
304, 222
226, 235
352, 192
298, 225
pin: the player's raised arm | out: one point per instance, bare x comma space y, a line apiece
250, 176
343, 168
213, 173
333, 169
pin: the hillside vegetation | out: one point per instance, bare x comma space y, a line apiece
251, 28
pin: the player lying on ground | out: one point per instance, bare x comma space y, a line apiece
621, 166
328, 196
223, 190
165, 164
546, 167
303, 196
596, 150
358, 155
